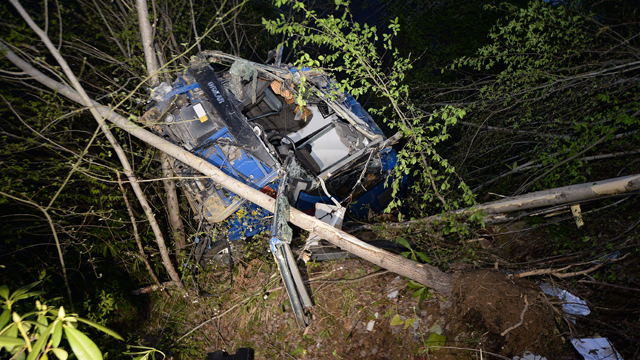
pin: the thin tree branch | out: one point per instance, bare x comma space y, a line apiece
137, 237
55, 237
117, 148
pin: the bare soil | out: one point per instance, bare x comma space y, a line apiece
353, 294
489, 301
350, 295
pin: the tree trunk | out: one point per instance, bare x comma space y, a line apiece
147, 41
173, 209
425, 274
136, 236
173, 206
563, 195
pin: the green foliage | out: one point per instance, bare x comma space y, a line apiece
103, 308
421, 292
351, 51
547, 76
38, 333
435, 341
411, 254
143, 352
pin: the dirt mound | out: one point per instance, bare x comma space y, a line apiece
494, 304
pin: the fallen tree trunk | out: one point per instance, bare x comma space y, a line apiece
562, 195
496, 211
425, 274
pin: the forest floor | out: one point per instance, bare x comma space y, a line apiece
362, 311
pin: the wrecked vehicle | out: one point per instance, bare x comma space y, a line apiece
284, 131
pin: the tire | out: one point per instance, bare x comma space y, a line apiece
215, 254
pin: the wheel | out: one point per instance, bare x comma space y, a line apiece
213, 268
216, 253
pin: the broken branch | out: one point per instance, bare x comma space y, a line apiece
558, 272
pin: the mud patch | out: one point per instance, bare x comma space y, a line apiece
491, 303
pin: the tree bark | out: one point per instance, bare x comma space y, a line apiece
425, 274
563, 195
136, 236
147, 41
173, 209
173, 206
83, 98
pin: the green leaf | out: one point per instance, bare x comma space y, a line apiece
21, 292
424, 257
27, 295
42, 323
396, 321
57, 334
417, 293
12, 330
35, 351
82, 346
60, 353
9, 342
414, 285
402, 241
101, 328
409, 323
435, 341
4, 292
4, 318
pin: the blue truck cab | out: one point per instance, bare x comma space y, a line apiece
245, 119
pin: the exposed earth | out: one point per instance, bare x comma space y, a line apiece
364, 312
356, 304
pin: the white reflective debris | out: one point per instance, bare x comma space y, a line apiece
596, 349
370, 325
572, 304
529, 356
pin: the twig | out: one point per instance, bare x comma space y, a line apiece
55, 237
607, 284
136, 236
526, 306
356, 279
83, 98
540, 272
259, 293
224, 313
152, 288
557, 272
576, 273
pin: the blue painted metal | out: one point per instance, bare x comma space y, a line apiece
361, 113
251, 219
